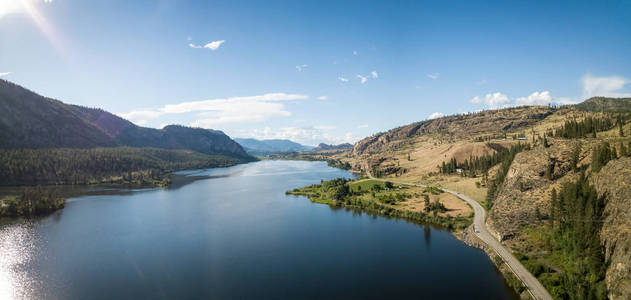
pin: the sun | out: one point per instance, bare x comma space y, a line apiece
9, 7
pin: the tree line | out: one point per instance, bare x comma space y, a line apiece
576, 215
99, 165
477, 165
605, 152
589, 126
32, 201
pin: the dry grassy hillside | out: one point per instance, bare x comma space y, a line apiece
519, 213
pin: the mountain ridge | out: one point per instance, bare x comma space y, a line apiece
29, 120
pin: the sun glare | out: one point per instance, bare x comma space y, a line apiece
9, 7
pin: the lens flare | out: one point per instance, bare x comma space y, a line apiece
44, 26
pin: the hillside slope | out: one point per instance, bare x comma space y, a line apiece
441, 151
28, 120
614, 181
603, 104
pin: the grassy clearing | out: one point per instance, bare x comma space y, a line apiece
392, 200
365, 185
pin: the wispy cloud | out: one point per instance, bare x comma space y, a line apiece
362, 79
324, 127
608, 86
362, 126
433, 76
209, 113
301, 67
342, 79
374, 74
482, 82
212, 45
435, 115
323, 98
4, 73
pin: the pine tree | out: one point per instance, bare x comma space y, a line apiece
553, 207
575, 156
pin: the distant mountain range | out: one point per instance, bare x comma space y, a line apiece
322, 147
265, 147
28, 120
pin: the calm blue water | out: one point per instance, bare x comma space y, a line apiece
236, 235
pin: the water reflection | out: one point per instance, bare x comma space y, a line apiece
17, 244
233, 233
427, 233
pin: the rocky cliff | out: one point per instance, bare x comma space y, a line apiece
614, 182
524, 198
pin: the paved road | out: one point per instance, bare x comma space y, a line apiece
535, 288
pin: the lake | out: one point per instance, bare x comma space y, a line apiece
235, 234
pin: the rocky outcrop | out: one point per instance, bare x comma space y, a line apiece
614, 182
524, 198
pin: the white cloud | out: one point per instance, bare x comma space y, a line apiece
301, 67
362, 126
141, 117
494, 100
435, 115
48, 1
374, 74
604, 86
323, 98
4, 73
433, 76
342, 79
309, 135
536, 98
214, 45
209, 113
363, 79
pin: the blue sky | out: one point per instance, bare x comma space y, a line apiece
313, 71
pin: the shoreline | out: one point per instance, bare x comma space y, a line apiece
526, 285
13, 207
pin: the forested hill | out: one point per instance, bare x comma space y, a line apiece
28, 120
603, 104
